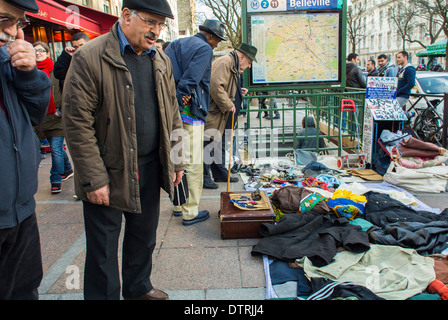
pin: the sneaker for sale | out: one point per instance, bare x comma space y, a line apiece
56, 188
67, 175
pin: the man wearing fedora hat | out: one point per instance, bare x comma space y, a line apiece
192, 58
24, 99
120, 111
225, 79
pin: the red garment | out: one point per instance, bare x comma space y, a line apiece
47, 66
439, 287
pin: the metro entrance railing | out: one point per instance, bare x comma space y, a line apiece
270, 137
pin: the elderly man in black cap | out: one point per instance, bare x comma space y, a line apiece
225, 81
120, 111
192, 59
24, 99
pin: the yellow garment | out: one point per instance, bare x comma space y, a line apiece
346, 194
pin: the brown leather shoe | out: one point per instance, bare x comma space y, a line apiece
154, 294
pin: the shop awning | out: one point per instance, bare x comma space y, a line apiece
69, 16
105, 20
437, 49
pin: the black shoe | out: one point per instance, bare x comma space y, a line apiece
67, 175
210, 185
236, 168
177, 213
232, 179
56, 188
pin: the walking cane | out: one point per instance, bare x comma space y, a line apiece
231, 152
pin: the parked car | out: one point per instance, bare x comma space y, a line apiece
427, 123
431, 83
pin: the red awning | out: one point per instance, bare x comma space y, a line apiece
69, 16
105, 20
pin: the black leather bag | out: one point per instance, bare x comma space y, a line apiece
181, 191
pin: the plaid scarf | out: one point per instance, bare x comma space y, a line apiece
382, 70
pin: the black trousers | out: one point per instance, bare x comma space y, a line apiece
103, 226
218, 166
20, 261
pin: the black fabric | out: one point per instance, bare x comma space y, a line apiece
324, 289
381, 210
61, 67
145, 104
398, 224
218, 166
103, 225
20, 261
160, 7
313, 235
181, 191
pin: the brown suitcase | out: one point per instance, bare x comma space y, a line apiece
240, 224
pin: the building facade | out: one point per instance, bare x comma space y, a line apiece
379, 33
58, 20
186, 14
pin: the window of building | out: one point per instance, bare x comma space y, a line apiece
106, 6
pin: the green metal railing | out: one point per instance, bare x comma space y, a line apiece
279, 136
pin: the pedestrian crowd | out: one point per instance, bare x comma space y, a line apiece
405, 73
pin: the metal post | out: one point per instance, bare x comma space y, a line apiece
445, 121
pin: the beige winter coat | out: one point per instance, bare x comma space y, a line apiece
223, 86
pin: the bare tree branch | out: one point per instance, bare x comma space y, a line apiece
229, 13
356, 31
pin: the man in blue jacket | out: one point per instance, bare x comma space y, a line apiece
192, 58
406, 78
24, 99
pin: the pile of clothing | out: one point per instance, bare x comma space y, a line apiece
359, 242
412, 164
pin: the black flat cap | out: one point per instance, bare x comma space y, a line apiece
160, 7
27, 5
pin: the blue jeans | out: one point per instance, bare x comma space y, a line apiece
59, 159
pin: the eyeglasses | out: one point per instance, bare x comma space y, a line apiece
149, 22
40, 50
9, 22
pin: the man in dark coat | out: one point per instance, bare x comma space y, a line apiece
120, 112
24, 98
406, 78
371, 69
355, 78
63, 62
192, 58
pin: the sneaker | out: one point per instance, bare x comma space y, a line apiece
177, 213
56, 188
67, 175
202, 215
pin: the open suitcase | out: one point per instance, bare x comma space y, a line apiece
238, 223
